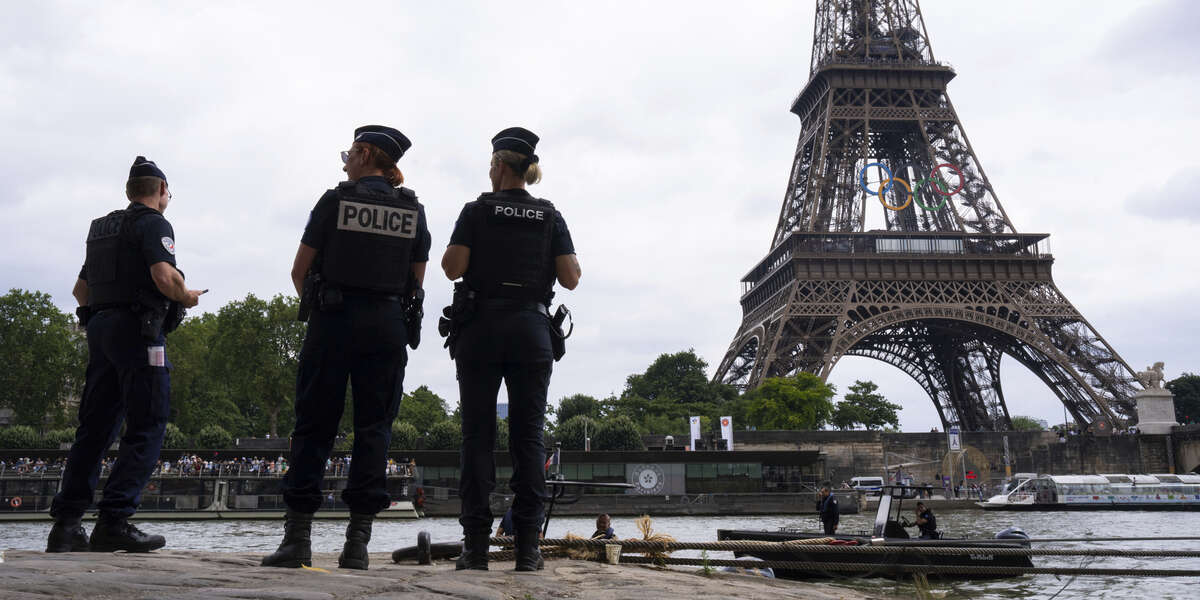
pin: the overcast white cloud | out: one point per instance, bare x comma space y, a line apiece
667, 144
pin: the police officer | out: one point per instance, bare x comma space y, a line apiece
926, 523
827, 508
124, 289
367, 242
509, 248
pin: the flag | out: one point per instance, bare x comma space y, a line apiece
695, 423
727, 431
555, 459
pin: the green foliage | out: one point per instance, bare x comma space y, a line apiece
404, 436
423, 409
617, 433
44, 357
797, 403
862, 406
18, 437
1024, 423
344, 443
55, 438
672, 389
214, 437
196, 400
502, 434
255, 355
571, 432
1186, 388
579, 404
445, 435
173, 438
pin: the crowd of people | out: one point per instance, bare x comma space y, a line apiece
197, 466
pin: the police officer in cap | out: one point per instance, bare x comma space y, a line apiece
368, 242
124, 290
509, 247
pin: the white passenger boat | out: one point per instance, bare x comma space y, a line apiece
1102, 492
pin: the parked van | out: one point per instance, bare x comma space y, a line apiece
869, 485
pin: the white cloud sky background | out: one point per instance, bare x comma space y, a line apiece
666, 143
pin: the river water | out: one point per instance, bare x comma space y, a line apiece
263, 536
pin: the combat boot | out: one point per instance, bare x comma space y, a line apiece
475, 552
529, 557
67, 535
296, 548
358, 533
116, 533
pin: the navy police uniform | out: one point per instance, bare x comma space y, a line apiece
827, 508
368, 234
514, 239
128, 375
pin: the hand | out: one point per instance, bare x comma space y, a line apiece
193, 298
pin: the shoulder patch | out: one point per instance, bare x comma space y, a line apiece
169, 245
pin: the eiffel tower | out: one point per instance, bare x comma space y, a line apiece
892, 244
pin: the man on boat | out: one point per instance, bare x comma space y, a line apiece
827, 508
926, 522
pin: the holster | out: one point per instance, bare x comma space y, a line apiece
85, 314
461, 309
558, 338
414, 312
308, 295
152, 314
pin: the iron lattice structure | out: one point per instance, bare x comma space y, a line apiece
945, 286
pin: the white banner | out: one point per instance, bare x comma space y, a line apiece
955, 440
727, 431
695, 423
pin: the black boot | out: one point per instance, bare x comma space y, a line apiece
67, 535
358, 533
529, 557
112, 534
474, 554
296, 548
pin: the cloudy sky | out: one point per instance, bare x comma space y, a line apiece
666, 143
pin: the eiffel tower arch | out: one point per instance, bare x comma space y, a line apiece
941, 285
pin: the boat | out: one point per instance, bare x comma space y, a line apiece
888, 530
1162, 491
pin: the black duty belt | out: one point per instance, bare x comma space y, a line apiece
113, 306
513, 304
384, 296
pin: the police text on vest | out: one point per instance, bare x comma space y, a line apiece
377, 219
520, 212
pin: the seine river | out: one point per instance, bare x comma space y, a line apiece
263, 536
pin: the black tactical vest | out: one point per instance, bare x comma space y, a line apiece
510, 256
115, 267
370, 246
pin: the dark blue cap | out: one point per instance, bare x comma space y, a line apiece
391, 141
517, 139
145, 168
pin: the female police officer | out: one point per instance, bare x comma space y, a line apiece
508, 247
369, 243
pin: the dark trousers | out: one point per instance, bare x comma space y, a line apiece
830, 526
122, 387
362, 342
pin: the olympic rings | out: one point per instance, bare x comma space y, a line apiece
883, 200
886, 185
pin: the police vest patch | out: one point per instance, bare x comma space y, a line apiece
169, 245
105, 227
523, 213
377, 219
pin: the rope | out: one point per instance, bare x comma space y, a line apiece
903, 568
820, 546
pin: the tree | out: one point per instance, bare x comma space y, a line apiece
571, 432
44, 357
444, 435
423, 409
579, 404
798, 403
617, 433
404, 436
197, 399
1186, 388
18, 437
214, 437
173, 438
1025, 423
256, 353
672, 389
502, 434
57, 437
862, 406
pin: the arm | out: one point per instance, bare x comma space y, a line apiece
455, 261
80, 291
168, 281
305, 255
418, 271
566, 267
